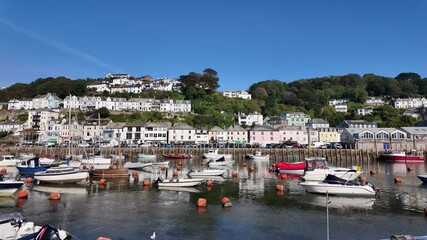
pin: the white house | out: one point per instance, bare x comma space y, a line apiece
405, 103
318, 123
217, 134
181, 133
237, 94
12, 126
250, 119
156, 132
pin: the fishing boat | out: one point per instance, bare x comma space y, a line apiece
219, 162
214, 154
61, 175
401, 157
29, 167
180, 182
9, 161
13, 226
340, 187
422, 177
206, 172
8, 187
97, 162
258, 156
176, 155
318, 168
146, 157
47, 160
113, 172
297, 168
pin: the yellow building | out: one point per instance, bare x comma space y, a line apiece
329, 135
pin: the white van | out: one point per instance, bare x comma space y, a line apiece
318, 145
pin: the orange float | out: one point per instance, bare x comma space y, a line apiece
22, 194
284, 176
103, 238
102, 181
28, 180
178, 168
3, 171
162, 168
203, 163
397, 180
252, 169
244, 164
226, 202
175, 173
202, 202
209, 183
55, 196
234, 174
135, 175
280, 187
180, 163
146, 182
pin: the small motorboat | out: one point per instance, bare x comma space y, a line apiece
9, 161
137, 165
258, 156
8, 187
340, 187
29, 167
297, 168
146, 157
13, 226
219, 162
214, 154
206, 172
318, 168
61, 175
181, 189
180, 182
177, 155
402, 157
423, 177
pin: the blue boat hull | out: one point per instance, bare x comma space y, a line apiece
29, 171
423, 178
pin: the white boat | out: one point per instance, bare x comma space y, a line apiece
214, 154
206, 172
339, 187
219, 162
13, 226
9, 161
137, 165
258, 156
164, 163
8, 187
181, 189
146, 157
61, 175
318, 169
97, 162
72, 189
343, 202
180, 182
26, 156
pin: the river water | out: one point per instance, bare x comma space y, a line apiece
125, 209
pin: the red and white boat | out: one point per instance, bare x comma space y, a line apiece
291, 167
402, 157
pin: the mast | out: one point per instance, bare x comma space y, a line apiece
69, 126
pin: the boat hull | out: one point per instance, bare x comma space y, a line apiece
321, 174
180, 183
106, 173
291, 168
423, 177
62, 178
337, 189
206, 173
8, 188
146, 157
217, 155
404, 159
30, 171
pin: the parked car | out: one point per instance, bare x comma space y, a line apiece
84, 145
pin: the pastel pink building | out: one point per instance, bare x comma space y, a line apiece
263, 135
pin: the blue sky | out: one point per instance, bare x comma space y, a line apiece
245, 41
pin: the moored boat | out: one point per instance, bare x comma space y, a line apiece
137, 165
206, 172
8, 187
402, 157
214, 154
146, 157
61, 175
176, 155
219, 162
29, 167
318, 169
340, 187
258, 156
9, 161
180, 182
110, 173
291, 167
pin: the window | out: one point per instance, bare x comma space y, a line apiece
138, 129
367, 135
137, 135
128, 135
397, 135
129, 129
382, 135
182, 137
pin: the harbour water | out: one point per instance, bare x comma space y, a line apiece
128, 210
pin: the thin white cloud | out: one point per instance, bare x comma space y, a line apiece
58, 45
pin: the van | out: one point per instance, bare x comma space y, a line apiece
318, 145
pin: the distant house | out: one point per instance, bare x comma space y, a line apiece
202, 135
218, 135
263, 134
364, 111
340, 105
329, 135
318, 123
181, 133
275, 121
250, 119
237, 94
405, 103
237, 135
299, 134
375, 138
357, 124
295, 118
12, 126
156, 132
374, 102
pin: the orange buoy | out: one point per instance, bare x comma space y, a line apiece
135, 175
102, 181
114, 163
175, 173
3, 171
202, 202
146, 182
280, 187
372, 172
55, 196
103, 238
252, 168
162, 168
244, 164
234, 174
226, 202
284, 176
28, 180
397, 179
180, 163
22, 194
209, 183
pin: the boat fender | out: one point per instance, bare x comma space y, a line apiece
3, 171
209, 183
397, 180
102, 181
226, 202
280, 187
55, 196
135, 175
22, 194
147, 182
